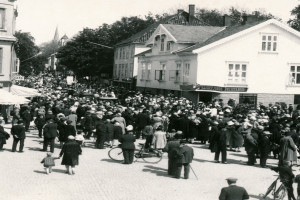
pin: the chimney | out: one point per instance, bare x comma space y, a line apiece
179, 11
226, 20
192, 10
191, 14
248, 19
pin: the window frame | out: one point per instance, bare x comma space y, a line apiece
296, 72
3, 18
240, 71
267, 45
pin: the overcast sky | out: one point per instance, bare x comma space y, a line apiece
40, 17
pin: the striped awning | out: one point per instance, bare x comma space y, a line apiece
24, 91
7, 98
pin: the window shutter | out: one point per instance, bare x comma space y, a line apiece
1, 58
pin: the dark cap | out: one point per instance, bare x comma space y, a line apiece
231, 179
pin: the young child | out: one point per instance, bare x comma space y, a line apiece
79, 138
49, 162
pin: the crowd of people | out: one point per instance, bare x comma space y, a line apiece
165, 122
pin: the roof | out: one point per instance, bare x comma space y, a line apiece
228, 31
166, 20
192, 34
144, 52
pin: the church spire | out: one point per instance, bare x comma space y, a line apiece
56, 36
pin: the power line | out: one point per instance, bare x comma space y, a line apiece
100, 45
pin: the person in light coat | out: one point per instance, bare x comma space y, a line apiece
159, 138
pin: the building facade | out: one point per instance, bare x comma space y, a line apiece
8, 59
126, 64
256, 62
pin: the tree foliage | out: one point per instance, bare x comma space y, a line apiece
26, 51
86, 59
295, 22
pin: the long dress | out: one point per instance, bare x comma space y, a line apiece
70, 152
159, 139
122, 122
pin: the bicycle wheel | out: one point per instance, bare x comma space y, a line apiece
116, 154
271, 187
151, 156
281, 192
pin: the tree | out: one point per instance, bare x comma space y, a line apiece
87, 59
27, 51
295, 22
211, 17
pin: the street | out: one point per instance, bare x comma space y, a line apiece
98, 177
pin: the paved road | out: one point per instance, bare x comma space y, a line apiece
98, 177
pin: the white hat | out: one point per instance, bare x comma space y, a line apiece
230, 123
71, 137
129, 128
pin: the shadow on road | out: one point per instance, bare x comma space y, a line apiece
39, 172
34, 148
156, 170
258, 197
110, 160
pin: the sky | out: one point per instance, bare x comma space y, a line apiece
41, 17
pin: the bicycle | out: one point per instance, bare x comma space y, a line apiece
148, 155
278, 193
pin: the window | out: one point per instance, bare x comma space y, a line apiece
269, 43
250, 99
120, 70
132, 52
294, 74
126, 71
120, 53
160, 75
15, 67
123, 53
2, 18
162, 43
237, 73
169, 46
131, 70
186, 72
149, 71
143, 70
116, 71
127, 52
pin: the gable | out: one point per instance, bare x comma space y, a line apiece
233, 32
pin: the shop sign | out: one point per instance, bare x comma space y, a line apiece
213, 88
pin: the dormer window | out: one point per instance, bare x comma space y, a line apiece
169, 44
269, 42
162, 43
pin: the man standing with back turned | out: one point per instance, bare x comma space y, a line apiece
233, 192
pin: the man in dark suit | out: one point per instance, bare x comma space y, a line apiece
233, 192
50, 133
185, 156
26, 118
142, 120
171, 148
18, 132
127, 144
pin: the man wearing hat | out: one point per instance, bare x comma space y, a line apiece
171, 148
265, 148
50, 133
185, 156
127, 144
233, 192
18, 132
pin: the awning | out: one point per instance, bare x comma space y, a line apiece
7, 98
24, 91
